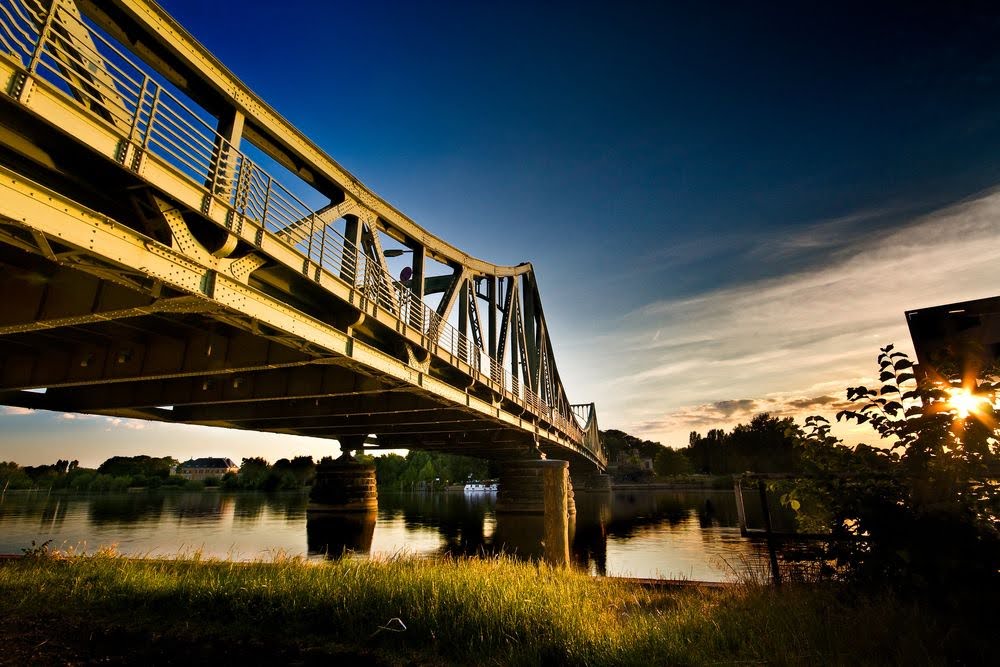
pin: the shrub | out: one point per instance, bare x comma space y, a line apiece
921, 513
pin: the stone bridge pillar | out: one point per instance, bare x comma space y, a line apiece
345, 485
532, 489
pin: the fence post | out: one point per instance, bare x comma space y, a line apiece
775, 572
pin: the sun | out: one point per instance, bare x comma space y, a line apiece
966, 403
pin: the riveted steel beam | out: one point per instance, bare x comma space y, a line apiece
374, 403
46, 363
250, 387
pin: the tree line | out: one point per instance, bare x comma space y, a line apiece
766, 444
415, 470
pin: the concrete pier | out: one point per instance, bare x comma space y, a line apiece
538, 487
344, 485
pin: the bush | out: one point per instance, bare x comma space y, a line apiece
920, 514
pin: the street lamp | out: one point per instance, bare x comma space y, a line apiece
394, 252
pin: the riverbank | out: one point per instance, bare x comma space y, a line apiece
106, 608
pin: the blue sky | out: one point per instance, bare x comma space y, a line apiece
728, 206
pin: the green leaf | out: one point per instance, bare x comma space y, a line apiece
796, 505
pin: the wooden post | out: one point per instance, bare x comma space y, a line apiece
775, 572
741, 513
555, 478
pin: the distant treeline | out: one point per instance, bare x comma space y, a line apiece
427, 470
766, 444
116, 474
415, 470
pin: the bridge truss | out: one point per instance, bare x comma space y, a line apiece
155, 268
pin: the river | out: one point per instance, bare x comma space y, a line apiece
689, 534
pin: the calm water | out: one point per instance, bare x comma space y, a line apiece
673, 534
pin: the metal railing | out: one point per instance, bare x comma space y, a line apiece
60, 47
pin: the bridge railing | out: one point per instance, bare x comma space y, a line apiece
62, 48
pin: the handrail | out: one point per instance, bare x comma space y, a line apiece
126, 96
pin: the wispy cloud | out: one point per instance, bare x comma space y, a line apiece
791, 344
14, 410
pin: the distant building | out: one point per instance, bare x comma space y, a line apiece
199, 469
967, 332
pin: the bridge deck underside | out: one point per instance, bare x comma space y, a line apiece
98, 347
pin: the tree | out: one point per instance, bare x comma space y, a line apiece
671, 462
708, 454
253, 472
301, 468
133, 466
920, 513
13, 476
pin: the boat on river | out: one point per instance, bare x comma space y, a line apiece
481, 487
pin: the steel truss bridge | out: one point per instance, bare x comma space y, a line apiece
159, 261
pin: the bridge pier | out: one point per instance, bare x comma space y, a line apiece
532, 489
344, 485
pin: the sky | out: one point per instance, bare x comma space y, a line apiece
728, 206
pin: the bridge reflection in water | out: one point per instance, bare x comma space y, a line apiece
686, 534
649, 533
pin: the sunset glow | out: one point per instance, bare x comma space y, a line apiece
966, 402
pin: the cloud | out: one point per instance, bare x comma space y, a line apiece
790, 344
728, 413
728, 408
129, 424
14, 410
814, 403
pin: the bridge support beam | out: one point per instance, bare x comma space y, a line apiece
538, 488
345, 485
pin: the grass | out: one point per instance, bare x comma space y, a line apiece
455, 611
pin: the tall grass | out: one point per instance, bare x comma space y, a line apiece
483, 611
